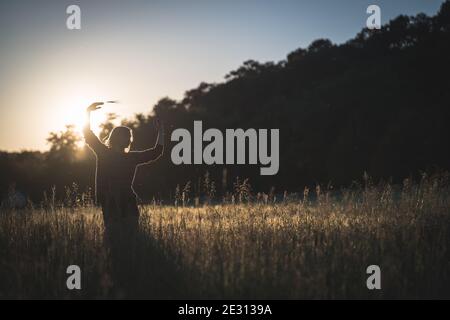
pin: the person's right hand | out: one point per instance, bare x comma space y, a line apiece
94, 106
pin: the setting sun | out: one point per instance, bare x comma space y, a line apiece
74, 113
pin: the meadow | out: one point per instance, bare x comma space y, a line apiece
316, 245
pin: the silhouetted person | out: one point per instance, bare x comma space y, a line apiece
115, 172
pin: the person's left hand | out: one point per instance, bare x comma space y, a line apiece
94, 106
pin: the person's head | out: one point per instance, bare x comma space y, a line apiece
120, 138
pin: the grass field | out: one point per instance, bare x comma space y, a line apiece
314, 246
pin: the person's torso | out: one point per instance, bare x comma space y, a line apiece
115, 172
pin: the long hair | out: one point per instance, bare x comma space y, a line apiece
120, 138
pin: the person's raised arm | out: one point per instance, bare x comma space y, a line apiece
91, 139
152, 154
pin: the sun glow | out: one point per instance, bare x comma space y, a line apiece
73, 112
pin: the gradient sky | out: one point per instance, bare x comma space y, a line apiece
139, 51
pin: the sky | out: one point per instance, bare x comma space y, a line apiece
139, 51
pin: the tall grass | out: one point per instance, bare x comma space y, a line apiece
249, 246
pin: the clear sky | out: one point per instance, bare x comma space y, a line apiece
139, 51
